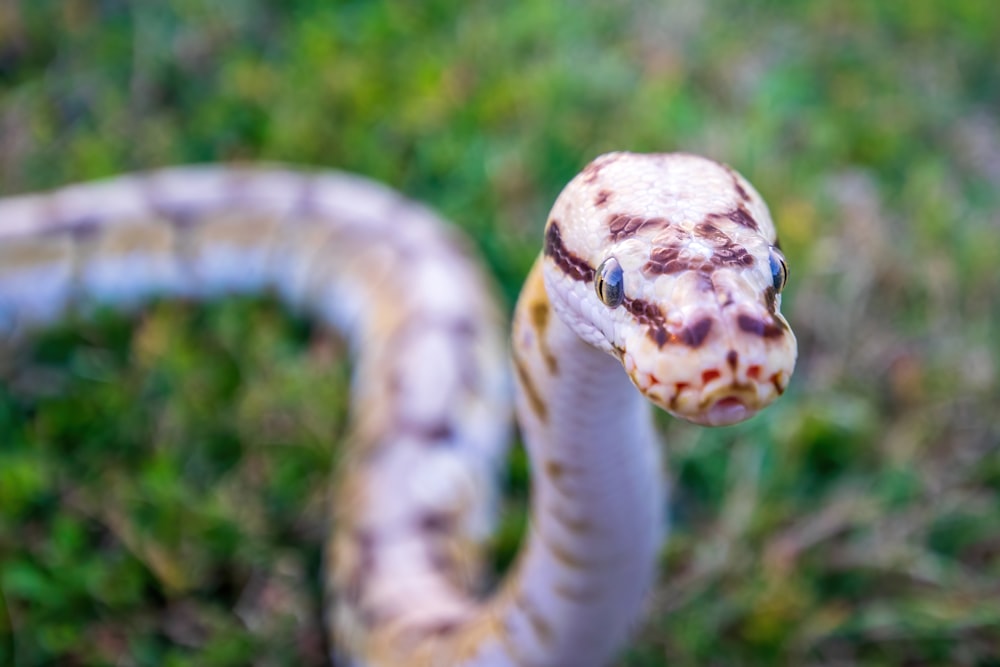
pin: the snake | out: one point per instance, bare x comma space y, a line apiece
658, 284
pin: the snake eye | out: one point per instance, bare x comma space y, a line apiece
608, 283
779, 270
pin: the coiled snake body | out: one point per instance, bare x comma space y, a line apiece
664, 265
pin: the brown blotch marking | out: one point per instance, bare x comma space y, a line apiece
742, 217
539, 312
180, 216
695, 334
463, 327
577, 595
562, 554
436, 433
556, 472
593, 170
733, 359
541, 626
577, 526
436, 522
444, 561
570, 264
590, 172
80, 229
753, 372
776, 381
709, 375
353, 589
540, 315
757, 327
602, 198
442, 628
623, 225
530, 391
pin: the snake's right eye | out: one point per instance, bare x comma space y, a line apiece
609, 283
779, 270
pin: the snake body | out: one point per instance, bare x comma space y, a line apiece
664, 265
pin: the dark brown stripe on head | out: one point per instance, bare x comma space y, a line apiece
649, 314
740, 216
760, 328
571, 265
623, 225
740, 190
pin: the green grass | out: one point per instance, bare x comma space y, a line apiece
163, 479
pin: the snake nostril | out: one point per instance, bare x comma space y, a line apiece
709, 375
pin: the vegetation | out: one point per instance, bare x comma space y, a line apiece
163, 478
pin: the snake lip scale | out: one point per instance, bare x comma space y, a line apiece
659, 283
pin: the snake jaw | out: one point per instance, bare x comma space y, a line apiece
718, 396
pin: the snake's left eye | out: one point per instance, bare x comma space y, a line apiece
779, 270
609, 283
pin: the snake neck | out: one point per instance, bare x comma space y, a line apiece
597, 498
596, 522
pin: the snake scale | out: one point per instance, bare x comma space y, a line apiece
658, 272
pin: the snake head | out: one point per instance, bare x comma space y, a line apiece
670, 262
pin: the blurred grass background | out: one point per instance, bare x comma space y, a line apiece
162, 480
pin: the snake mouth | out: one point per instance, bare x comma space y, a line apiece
718, 397
722, 402
726, 411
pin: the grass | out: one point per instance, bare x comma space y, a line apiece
163, 479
